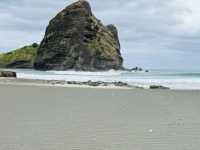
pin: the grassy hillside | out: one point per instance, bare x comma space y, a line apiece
26, 53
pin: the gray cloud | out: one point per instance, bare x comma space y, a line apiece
153, 33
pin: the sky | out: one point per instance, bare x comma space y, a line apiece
154, 34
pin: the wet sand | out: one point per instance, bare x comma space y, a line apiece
67, 118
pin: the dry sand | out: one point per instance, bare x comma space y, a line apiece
61, 118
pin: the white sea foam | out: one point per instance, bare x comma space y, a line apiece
171, 79
87, 73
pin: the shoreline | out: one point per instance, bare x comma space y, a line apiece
134, 80
88, 84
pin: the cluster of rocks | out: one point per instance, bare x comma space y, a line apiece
92, 83
136, 69
99, 83
8, 74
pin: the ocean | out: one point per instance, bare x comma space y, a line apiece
174, 79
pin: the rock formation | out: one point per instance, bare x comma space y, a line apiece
8, 74
76, 39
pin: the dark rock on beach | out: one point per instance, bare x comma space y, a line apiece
9, 74
76, 39
158, 87
92, 83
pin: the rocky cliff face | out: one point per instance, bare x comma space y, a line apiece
76, 39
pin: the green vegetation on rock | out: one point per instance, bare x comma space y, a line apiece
104, 42
26, 53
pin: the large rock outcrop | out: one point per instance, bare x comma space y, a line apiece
76, 39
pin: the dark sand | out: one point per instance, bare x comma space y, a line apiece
61, 118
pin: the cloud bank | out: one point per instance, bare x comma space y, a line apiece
153, 33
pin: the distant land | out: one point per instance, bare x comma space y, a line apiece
74, 40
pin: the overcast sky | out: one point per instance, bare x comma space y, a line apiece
153, 33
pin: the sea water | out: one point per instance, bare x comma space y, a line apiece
174, 79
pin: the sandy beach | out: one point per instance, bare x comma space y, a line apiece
60, 118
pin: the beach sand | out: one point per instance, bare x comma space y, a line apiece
71, 118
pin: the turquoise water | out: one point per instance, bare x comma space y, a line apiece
175, 79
